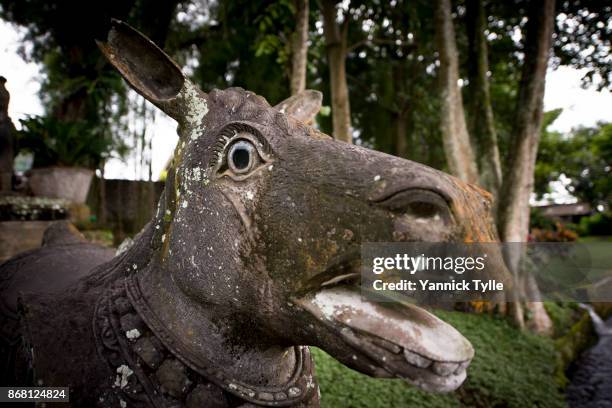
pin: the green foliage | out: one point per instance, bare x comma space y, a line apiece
101, 237
544, 229
584, 39
537, 220
342, 387
391, 63
77, 143
578, 338
226, 48
275, 31
575, 332
60, 36
563, 315
596, 224
78, 86
511, 369
584, 156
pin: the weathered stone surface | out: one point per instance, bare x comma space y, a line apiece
206, 395
173, 378
132, 321
151, 355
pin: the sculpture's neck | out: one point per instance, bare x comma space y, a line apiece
212, 338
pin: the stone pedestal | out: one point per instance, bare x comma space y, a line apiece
23, 221
20, 236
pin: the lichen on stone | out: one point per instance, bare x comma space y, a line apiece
123, 372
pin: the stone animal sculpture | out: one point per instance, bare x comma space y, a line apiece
7, 139
253, 255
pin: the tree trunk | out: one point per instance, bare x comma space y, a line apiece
154, 19
513, 209
73, 107
513, 216
401, 134
400, 145
335, 42
481, 123
459, 154
299, 47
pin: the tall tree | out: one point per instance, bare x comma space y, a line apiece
299, 47
481, 120
336, 45
513, 218
78, 83
389, 66
513, 207
459, 153
514, 192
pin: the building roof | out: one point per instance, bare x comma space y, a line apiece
561, 210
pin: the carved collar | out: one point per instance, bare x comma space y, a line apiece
152, 367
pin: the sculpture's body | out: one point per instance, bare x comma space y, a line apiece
251, 255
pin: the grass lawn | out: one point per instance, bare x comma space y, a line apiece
510, 369
596, 238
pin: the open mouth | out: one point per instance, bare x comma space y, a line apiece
398, 340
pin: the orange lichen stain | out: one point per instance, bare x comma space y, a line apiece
473, 210
310, 264
485, 307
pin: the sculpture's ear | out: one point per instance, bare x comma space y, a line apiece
303, 106
148, 69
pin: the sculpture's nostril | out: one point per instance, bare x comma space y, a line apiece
418, 214
418, 203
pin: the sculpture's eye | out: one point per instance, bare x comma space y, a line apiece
241, 151
242, 156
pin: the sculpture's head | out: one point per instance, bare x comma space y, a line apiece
263, 216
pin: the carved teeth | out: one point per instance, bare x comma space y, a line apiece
417, 360
445, 369
462, 367
387, 345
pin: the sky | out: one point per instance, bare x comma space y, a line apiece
581, 107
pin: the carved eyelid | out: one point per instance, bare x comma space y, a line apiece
228, 133
227, 136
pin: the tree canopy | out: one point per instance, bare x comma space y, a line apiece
392, 62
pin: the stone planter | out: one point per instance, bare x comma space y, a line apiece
69, 183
